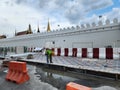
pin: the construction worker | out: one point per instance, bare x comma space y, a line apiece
48, 54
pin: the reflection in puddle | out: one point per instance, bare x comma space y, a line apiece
59, 79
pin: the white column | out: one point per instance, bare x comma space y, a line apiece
90, 52
62, 52
79, 52
69, 51
102, 53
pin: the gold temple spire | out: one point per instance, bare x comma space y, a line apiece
48, 26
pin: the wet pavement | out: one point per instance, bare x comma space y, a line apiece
33, 84
59, 79
49, 79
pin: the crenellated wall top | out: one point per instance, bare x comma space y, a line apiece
93, 27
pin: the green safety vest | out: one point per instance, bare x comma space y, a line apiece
48, 52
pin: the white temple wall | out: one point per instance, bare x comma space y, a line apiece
100, 39
90, 40
92, 37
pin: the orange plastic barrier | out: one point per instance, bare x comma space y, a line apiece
17, 72
74, 86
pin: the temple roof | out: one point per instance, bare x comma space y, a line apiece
29, 31
2, 36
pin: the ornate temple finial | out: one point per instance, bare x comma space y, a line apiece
29, 30
38, 30
48, 26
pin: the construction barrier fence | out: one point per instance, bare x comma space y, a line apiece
17, 72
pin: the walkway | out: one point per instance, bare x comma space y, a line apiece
109, 66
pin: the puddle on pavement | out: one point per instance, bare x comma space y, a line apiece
47, 79
59, 79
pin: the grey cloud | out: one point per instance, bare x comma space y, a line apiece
90, 5
100, 4
20, 1
62, 3
72, 10
74, 14
34, 3
81, 8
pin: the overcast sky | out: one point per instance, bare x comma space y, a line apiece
17, 14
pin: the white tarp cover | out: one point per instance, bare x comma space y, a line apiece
37, 49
